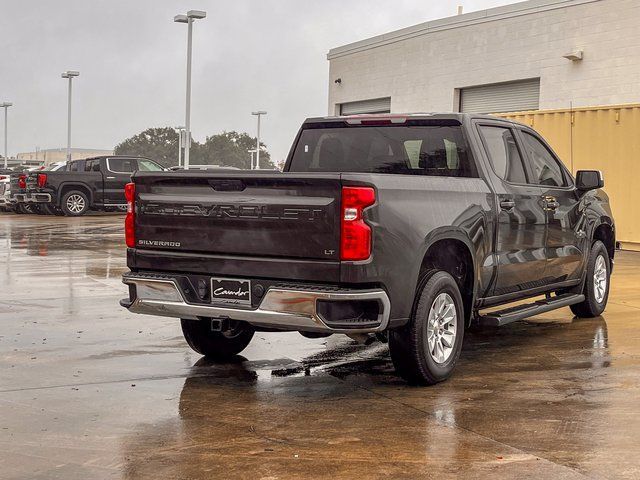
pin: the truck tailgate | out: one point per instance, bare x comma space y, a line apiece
253, 214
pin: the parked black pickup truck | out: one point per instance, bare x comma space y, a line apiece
94, 183
409, 225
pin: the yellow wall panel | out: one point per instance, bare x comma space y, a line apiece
601, 138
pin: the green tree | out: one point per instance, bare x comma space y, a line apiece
231, 149
159, 144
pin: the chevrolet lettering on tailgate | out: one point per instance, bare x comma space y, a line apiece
265, 212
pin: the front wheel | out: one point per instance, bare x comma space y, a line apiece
596, 286
217, 345
74, 203
426, 350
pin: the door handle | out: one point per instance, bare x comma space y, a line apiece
507, 204
551, 203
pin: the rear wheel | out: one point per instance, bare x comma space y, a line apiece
596, 286
427, 349
40, 210
49, 209
74, 203
23, 208
19, 209
215, 344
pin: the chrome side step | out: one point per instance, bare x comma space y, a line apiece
520, 312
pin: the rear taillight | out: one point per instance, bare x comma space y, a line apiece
355, 238
42, 180
129, 221
22, 181
2, 177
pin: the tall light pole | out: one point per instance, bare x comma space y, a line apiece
69, 74
188, 19
180, 134
258, 114
251, 152
6, 106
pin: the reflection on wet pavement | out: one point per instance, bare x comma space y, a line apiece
88, 390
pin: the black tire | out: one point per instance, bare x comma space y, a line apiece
409, 346
216, 345
74, 203
18, 208
49, 209
39, 209
594, 302
24, 209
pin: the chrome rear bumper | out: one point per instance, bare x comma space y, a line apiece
280, 308
33, 197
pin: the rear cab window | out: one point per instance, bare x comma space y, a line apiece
432, 148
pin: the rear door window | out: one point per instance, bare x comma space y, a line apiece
76, 166
435, 150
145, 165
122, 165
503, 153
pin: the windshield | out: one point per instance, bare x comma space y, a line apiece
436, 150
54, 166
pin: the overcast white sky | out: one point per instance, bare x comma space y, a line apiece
248, 55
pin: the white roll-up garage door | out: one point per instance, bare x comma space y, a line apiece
501, 97
377, 105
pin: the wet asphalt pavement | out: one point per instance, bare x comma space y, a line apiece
90, 391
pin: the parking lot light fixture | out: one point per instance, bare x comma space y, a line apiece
6, 106
258, 114
69, 74
188, 19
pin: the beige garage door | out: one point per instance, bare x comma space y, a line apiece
502, 97
376, 105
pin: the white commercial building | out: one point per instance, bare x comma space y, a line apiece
538, 54
53, 155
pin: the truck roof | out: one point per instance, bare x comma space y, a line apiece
459, 117
116, 156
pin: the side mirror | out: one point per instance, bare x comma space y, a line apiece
589, 180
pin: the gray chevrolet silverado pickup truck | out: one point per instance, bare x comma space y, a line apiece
408, 227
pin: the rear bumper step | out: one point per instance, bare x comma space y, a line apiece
281, 308
520, 312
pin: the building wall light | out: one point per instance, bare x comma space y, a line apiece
575, 56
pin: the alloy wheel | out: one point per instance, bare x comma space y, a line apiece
600, 279
75, 203
441, 328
